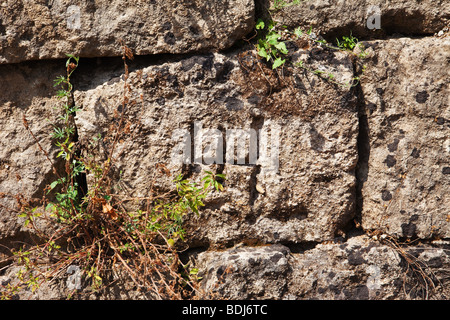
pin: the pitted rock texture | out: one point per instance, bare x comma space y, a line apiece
359, 269
25, 171
377, 18
309, 197
246, 272
405, 184
357, 204
31, 30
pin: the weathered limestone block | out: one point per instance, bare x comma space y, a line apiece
359, 269
26, 90
332, 18
31, 30
406, 178
309, 196
246, 272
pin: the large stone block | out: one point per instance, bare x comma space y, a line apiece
310, 194
406, 176
27, 91
359, 269
32, 30
367, 18
246, 272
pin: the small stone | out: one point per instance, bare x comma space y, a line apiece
260, 189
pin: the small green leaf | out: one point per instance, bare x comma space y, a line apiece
54, 184
272, 24
263, 53
62, 93
298, 32
282, 47
260, 24
59, 80
193, 271
278, 62
272, 38
274, 52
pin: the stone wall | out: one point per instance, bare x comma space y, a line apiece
360, 169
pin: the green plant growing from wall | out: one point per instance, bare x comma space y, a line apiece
272, 47
269, 47
68, 200
94, 231
347, 43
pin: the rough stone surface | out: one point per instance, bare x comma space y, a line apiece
339, 17
24, 169
357, 207
311, 196
246, 272
358, 269
406, 103
31, 30
58, 288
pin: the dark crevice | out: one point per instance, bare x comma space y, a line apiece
221, 166
363, 145
257, 124
80, 178
352, 225
345, 31
220, 169
188, 169
301, 247
192, 253
83, 80
252, 185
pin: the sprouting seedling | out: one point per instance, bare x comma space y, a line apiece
211, 178
347, 43
269, 47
